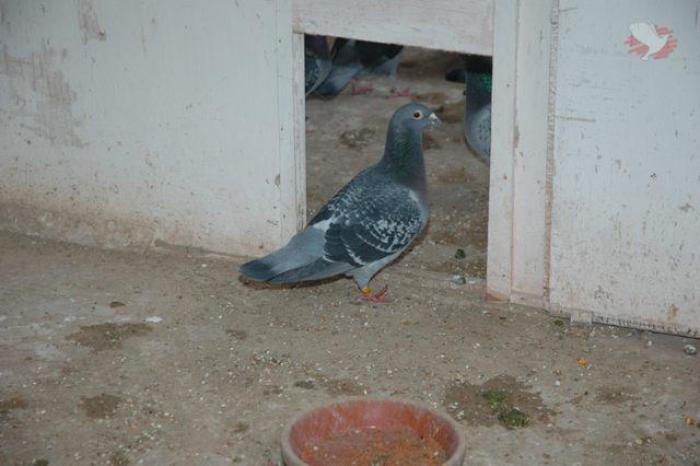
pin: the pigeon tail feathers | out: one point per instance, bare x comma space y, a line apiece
303, 249
338, 79
264, 270
257, 270
317, 270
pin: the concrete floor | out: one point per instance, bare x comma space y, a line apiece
118, 358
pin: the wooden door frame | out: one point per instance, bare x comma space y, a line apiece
519, 34
521, 150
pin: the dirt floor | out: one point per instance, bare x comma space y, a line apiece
121, 358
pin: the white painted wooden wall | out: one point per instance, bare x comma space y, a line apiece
625, 243
595, 174
516, 268
126, 124
457, 25
134, 123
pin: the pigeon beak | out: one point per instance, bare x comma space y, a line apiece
435, 122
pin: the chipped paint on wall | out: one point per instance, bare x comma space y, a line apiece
103, 145
49, 115
90, 28
624, 230
63, 225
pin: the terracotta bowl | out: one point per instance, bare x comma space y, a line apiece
315, 425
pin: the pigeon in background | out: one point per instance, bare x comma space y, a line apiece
368, 223
317, 62
457, 75
477, 111
477, 76
354, 58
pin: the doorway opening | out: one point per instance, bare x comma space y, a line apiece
346, 133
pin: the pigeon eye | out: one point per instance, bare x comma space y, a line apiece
417, 114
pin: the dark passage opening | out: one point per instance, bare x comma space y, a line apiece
345, 133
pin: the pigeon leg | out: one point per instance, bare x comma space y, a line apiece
405, 92
378, 297
360, 90
396, 91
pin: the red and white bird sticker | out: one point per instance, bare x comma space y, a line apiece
650, 41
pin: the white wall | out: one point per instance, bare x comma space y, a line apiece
455, 25
625, 244
595, 169
517, 248
129, 123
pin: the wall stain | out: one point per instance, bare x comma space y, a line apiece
603, 296
50, 106
90, 28
686, 207
143, 40
575, 118
3, 13
672, 312
90, 228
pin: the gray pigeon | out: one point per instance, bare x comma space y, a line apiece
477, 113
317, 62
477, 74
354, 58
369, 222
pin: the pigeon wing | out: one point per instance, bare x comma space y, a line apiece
380, 223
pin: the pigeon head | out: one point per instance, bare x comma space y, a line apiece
403, 153
414, 116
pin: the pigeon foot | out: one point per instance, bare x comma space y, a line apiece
405, 92
379, 297
360, 90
